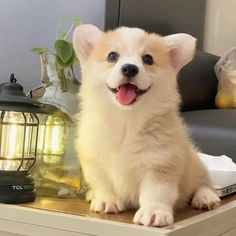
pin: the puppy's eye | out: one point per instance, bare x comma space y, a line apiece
147, 59
112, 57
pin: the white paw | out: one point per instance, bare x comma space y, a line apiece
106, 206
153, 216
205, 198
90, 195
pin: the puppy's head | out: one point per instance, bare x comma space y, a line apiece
130, 66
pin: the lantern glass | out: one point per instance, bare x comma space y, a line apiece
53, 137
18, 140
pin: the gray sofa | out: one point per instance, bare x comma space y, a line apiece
213, 130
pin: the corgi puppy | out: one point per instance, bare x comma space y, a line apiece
133, 146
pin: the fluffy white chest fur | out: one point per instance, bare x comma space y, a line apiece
132, 144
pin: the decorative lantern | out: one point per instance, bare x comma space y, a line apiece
20, 117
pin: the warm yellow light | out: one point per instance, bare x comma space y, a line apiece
52, 138
12, 143
41, 137
11, 148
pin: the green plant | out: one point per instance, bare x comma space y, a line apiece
64, 52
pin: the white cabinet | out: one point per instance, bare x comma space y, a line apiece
22, 220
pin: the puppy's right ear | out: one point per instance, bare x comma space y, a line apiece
84, 40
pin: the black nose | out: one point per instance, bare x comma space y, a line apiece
129, 70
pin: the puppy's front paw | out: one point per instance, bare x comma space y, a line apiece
90, 195
107, 206
205, 198
153, 216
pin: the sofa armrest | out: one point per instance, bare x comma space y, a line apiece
198, 82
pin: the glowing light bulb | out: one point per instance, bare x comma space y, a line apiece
52, 138
12, 143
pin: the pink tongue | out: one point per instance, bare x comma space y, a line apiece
126, 94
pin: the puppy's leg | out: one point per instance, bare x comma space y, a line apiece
156, 199
90, 195
101, 194
205, 198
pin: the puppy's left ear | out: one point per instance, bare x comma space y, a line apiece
84, 39
181, 48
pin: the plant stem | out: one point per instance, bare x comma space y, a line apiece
71, 27
44, 74
73, 74
58, 29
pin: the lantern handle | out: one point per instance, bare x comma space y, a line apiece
12, 78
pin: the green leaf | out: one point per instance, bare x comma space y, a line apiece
39, 50
67, 64
64, 50
77, 21
76, 60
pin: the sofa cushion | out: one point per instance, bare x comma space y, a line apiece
213, 131
198, 82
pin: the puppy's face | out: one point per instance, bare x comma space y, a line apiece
130, 65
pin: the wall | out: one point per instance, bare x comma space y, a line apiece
30, 23
25, 24
220, 26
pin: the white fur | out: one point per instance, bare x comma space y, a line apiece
204, 198
137, 155
86, 37
181, 48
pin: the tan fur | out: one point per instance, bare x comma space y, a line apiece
137, 155
151, 44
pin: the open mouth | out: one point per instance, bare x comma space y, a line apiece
126, 94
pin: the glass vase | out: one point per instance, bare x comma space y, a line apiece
57, 170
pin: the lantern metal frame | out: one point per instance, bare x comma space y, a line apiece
25, 125
17, 184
